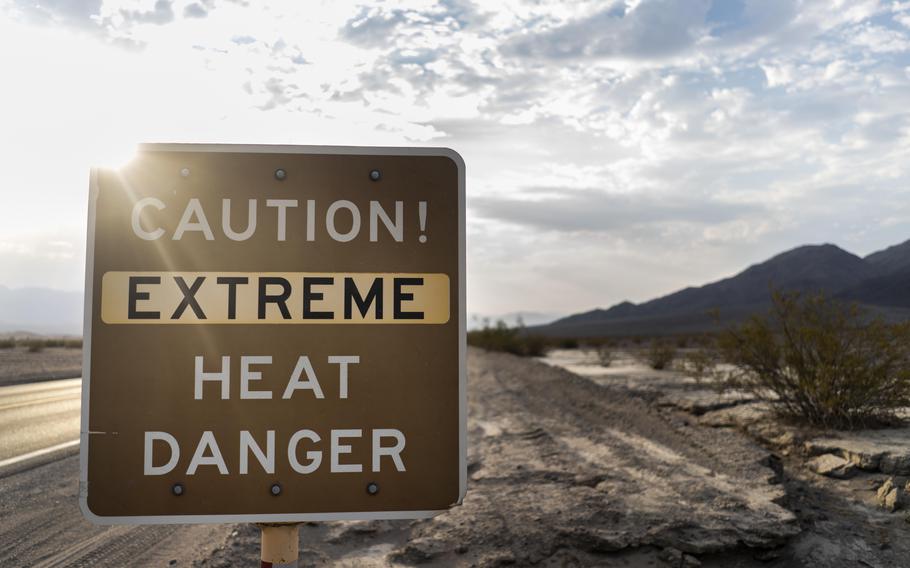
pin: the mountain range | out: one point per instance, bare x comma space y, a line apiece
879, 281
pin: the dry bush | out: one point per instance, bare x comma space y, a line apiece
34, 345
660, 355
605, 356
73, 343
7, 343
501, 337
822, 361
700, 364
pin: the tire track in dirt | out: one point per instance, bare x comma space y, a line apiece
564, 472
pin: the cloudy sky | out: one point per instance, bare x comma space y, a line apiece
615, 149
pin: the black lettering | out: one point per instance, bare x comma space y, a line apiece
309, 295
363, 304
399, 296
135, 295
232, 282
278, 299
189, 298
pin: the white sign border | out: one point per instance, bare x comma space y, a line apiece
275, 518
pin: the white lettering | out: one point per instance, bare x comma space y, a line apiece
330, 221
337, 449
312, 383
224, 375
207, 441
149, 468
193, 207
226, 221
377, 213
282, 205
137, 213
247, 444
246, 375
315, 457
394, 452
343, 361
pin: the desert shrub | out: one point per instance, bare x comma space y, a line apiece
7, 343
605, 356
700, 363
501, 337
532, 346
568, 343
822, 361
34, 345
660, 354
73, 343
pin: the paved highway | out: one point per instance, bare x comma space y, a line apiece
40, 521
37, 416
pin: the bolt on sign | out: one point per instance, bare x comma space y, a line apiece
274, 334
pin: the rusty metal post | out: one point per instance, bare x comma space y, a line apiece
280, 545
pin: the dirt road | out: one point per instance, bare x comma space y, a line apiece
565, 472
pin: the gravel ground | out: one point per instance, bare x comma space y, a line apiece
17, 365
564, 472
629, 468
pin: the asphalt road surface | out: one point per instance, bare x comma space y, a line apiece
40, 521
38, 416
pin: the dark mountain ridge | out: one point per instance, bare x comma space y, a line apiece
881, 280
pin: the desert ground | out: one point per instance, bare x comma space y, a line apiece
18, 365
570, 464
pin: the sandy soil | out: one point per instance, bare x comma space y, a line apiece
620, 467
841, 520
17, 365
566, 472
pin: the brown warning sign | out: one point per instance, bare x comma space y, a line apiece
274, 334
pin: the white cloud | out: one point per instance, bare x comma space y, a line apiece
677, 140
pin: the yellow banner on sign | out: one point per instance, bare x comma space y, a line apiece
273, 298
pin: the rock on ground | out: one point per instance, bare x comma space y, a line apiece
832, 466
887, 451
891, 496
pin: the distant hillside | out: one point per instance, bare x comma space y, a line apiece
893, 259
512, 319
40, 310
882, 279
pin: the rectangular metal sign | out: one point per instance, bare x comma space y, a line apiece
274, 334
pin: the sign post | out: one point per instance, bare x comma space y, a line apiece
274, 334
280, 546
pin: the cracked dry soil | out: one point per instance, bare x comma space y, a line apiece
563, 472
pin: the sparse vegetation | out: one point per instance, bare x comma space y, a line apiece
605, 356
568, 343
700, 364
501, 337
660, 354
822, 361
38, 344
